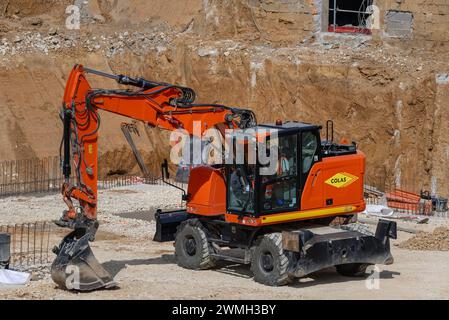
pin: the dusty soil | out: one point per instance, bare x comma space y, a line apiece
147, 270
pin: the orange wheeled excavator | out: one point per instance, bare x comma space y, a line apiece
289, 223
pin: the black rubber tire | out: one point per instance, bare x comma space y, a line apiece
352, 269
201, 258
270, 245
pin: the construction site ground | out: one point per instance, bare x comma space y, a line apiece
147, 270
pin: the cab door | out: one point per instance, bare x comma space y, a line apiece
279, 192
311, 175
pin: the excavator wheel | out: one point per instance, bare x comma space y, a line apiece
192, 249
352, 269
269, 264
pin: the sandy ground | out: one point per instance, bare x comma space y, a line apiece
148, 270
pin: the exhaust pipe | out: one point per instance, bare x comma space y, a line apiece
75, 266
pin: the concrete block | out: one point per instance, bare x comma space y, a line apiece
399, 24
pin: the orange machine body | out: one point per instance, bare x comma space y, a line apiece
207, 192
339, 179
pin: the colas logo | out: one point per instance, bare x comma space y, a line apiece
342, 180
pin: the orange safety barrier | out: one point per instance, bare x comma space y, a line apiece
408, 201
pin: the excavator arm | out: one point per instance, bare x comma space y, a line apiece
162, 105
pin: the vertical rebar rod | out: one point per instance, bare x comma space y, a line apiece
42, 242
10, 176
34, 243
14, 243
48, 242
16, 177
28, 244
21, 245
7, 230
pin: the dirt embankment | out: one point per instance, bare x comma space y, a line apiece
384, 97
390, 116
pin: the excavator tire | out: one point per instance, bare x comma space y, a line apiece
269, 263
352, 269
192, 249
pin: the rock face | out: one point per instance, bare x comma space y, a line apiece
388, 94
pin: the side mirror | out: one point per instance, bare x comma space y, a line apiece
166, 176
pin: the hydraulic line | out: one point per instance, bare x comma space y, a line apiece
67, 137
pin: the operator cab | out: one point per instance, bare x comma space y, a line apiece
251, 191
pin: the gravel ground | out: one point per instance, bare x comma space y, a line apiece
137, 198
148, 270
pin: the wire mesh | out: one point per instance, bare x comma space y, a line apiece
30, 243
30, 176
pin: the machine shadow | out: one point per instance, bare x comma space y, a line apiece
115, 266
325, 276
330, 275
321, 277
238, 270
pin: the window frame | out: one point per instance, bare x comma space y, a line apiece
301, 178
334, 28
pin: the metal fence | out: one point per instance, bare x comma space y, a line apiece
30, 243
30, 176
36, 175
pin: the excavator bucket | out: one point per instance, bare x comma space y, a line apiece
76, 268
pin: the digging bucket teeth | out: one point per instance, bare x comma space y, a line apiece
76, 268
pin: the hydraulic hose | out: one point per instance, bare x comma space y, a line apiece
67, 135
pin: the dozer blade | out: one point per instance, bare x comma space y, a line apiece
167, 224
76, 268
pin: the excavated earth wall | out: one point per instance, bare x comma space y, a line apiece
388, 94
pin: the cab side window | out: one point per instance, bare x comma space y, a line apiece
309, 148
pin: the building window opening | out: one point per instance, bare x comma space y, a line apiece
349, 16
